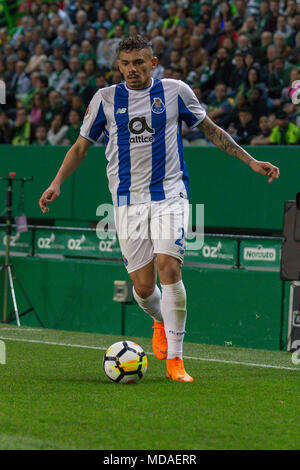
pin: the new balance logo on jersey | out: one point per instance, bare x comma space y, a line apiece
138, 126
121, 110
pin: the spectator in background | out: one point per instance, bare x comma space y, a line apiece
257, 104
42, 84
74, 51
62, 37
264, 15
37, 109
91, 36
174, 59
86, 52
239, 18
266, 39
72, 38
20, 83
208, 77
274, 13
183, 30
74, 127
82, 24
225, 67
206, 13
290, 11
159, 49
241, 102
263, 135
272, 121
57, 133
22, 129
284, 28
246, 129
102, 20
211, 40
77, 103
40, 134
116, 77
61, 75
225, 14
196, 54
251, 30
100, 81
47, 69
37, 60
294, 57
55, 105
169, 27
116, 20
6, 128
283, 50
238, 74
75, 67
279, 77
91, 69
23, 53
220, 109
154, 21
285, 132
106, 50
55, 10
228, 32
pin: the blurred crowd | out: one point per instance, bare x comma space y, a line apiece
241, 58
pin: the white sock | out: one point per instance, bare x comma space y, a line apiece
173, 309
151, 304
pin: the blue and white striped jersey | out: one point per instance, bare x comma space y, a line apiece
142, 131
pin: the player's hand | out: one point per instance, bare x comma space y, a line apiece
265, 168
49, 196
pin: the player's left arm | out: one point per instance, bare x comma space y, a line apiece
225, 142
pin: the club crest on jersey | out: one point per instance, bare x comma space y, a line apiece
158, 106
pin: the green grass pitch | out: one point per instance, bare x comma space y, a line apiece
54, 395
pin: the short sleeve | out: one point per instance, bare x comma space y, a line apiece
189, 108
94, 120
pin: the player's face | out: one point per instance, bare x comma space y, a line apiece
136, 67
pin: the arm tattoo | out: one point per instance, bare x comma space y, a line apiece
223, 140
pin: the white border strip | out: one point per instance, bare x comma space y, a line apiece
223, 361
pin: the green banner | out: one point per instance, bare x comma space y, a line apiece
20, 242
76, 243
260, 254
215, 251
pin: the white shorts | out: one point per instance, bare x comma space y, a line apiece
150, 228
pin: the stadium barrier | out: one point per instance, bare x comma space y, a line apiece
235, 295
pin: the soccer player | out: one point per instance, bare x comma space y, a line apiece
141, 120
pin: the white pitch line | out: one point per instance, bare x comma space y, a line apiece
27, 329
207, 359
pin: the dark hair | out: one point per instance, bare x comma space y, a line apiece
76, 111
41, 124
138, 42
43, 79
245, 109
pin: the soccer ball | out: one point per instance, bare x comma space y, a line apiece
125, 362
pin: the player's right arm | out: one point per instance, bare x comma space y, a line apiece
71, 162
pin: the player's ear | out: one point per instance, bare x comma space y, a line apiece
154, 62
